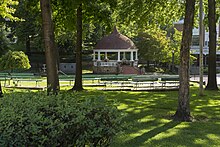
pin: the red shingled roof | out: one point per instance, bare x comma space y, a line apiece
115, 41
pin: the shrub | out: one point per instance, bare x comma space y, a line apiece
34, 119
14, 60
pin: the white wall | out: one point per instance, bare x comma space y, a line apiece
68, 67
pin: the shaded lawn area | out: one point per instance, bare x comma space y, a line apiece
148, 118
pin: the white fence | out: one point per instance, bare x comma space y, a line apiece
105, 63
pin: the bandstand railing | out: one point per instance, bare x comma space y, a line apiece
110, 63
114, 63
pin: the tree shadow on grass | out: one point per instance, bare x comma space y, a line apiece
188, 134
147, 118
139, 140
147, 115
207, 107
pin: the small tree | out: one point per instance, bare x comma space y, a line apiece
13, 60
154, 45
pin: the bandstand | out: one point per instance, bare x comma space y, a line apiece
115, 54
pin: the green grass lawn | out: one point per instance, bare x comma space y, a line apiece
148, 118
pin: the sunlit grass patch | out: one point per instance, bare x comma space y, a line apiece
148, 118
153, 126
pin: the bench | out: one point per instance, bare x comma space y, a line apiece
66, 78
115, 80
143, 81
4, 77
16, 81
91, 79
26, 77
28, 87
169, 82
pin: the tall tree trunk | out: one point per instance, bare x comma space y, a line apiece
78, 78
219, 28
212, 83
1, 93
50, 49
201, 44
28, 45
183, 109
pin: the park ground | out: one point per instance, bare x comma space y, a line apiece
148, 117
148, 121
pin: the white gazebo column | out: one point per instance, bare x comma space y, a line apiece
124, 55
93, 55
132, 56
136, 55
119, 56
99, 57
106, 56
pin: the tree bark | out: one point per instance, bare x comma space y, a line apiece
1, 93
183, 109
78, 78
212, 83
50, 49
28, 45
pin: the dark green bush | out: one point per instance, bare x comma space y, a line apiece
34, 119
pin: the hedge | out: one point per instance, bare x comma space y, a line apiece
35, 119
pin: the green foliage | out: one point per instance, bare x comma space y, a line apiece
34, 119
154, 69
96, 13
159, 45
64, 12
154, 45
175, 43
146, 13
6, 9
28, 31
14, 60
65, 43
4, 41
94, 32
217, 9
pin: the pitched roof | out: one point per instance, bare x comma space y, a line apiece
115, 40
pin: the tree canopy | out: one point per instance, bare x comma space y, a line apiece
4, 41
6, 9
27, 31
14, 60
155, 45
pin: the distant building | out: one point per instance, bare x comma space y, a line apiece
64, 68
195, 49
68, 68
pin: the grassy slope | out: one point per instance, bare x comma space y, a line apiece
148, 119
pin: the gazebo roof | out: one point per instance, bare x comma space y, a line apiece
115, 40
